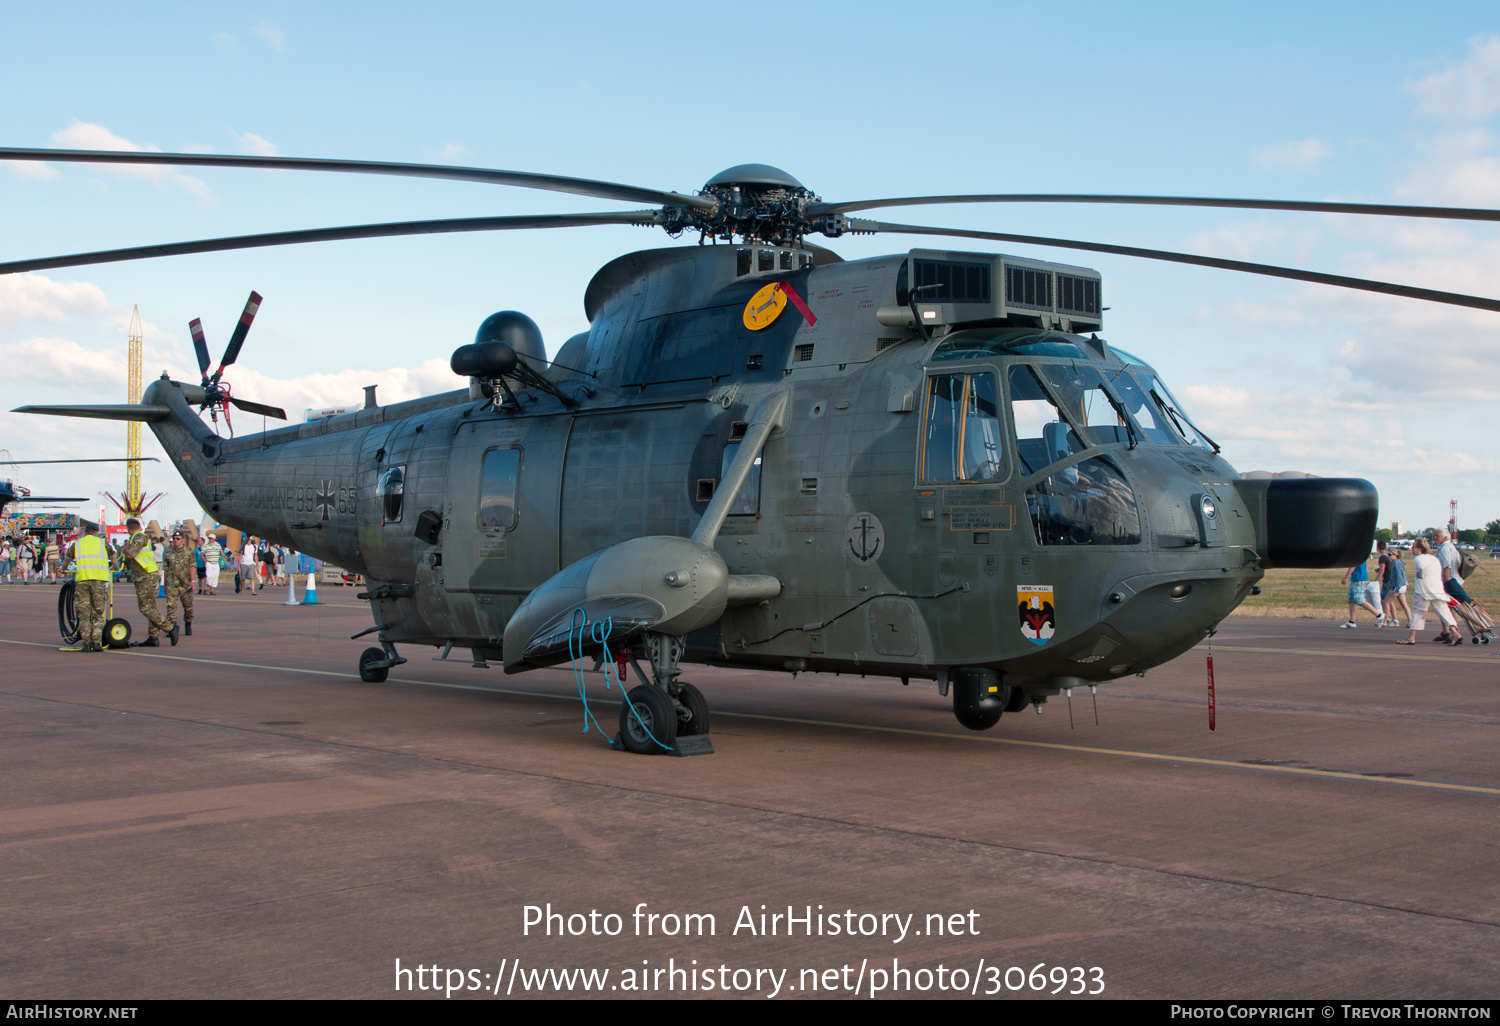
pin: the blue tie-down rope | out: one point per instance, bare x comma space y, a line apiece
599, 632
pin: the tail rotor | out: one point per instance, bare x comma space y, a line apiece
216, 393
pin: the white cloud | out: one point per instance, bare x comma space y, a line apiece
88, 372
1458, 168
83, 135
255, 145
453, 151
1245, 239
1468, 91
35, 170
343, 388
34, 297
1302, 154
271, 33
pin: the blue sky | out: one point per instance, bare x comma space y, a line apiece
1337, 101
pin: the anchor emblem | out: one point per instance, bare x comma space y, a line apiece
865, 537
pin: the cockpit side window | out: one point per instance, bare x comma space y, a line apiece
962, 441
1043, 436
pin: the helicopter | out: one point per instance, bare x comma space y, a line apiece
925, 465
12, 493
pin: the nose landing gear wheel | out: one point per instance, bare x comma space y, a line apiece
647, 713
117, 633
696, 704
369, 673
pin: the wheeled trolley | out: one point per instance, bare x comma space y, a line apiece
116, 629
1474, 617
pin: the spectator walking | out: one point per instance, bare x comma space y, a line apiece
213, 562
1357, 577
53, 557
249, 566
1430, 596
1393, 584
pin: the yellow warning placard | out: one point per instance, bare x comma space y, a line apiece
765, 306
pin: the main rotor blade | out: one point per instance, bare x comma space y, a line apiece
358, 231
1384, 209
110, 459
237, 340
493, 176
1270, 270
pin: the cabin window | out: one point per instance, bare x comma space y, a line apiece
747, 503
390, 493
1089, 503
1042, 435
497, 489
962, 439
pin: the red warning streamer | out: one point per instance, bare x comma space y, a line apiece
1210, 690
802, 308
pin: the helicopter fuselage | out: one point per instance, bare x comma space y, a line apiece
961, 479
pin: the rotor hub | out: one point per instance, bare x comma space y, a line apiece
756, 202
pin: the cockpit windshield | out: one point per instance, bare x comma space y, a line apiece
1148, 399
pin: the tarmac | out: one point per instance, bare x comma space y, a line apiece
241, 816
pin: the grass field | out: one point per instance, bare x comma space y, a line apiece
1318, 595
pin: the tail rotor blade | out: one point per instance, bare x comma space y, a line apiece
241, 330
200, 346
267, 411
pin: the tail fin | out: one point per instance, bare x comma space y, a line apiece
189, 442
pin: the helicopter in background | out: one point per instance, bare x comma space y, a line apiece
926, 465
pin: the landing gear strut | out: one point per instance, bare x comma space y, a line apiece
376, 663
667, 715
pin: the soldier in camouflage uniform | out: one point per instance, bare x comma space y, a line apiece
180, 564
91, 588
141, 562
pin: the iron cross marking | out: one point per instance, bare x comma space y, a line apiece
326, 499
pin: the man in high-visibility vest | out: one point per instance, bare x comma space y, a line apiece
140, 560
91, 589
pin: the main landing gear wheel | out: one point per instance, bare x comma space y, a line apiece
648, 713
117, 633
368, 672
697, 705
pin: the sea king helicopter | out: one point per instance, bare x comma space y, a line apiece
924, 465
